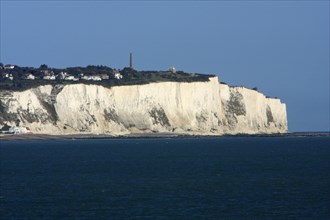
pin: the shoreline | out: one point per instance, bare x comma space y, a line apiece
8, 137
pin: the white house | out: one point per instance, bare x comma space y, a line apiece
7, 75
30, 76
9, 66
47, 72
96, 78
86, 77
104, 76
172, 69
4, 75
49, 77
62, 75
71, 78
118, 75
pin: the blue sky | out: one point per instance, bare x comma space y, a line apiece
278, 46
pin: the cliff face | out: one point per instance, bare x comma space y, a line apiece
249, 111
189, 108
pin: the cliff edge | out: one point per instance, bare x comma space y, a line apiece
202, 108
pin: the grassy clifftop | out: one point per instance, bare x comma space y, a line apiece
22, 78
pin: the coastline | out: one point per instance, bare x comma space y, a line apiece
22, 137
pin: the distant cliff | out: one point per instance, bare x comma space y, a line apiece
203, 108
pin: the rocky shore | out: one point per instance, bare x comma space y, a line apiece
11, 137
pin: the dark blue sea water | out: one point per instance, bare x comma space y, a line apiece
185, 178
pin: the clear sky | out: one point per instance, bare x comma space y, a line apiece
281, 47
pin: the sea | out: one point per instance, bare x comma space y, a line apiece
166, 178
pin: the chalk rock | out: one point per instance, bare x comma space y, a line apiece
204, 108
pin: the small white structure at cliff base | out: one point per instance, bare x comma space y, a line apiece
19, 130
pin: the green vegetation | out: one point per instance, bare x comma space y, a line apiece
17, 78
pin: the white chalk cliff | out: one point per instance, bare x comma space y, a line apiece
203, 108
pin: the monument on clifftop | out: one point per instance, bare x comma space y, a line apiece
131, 60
